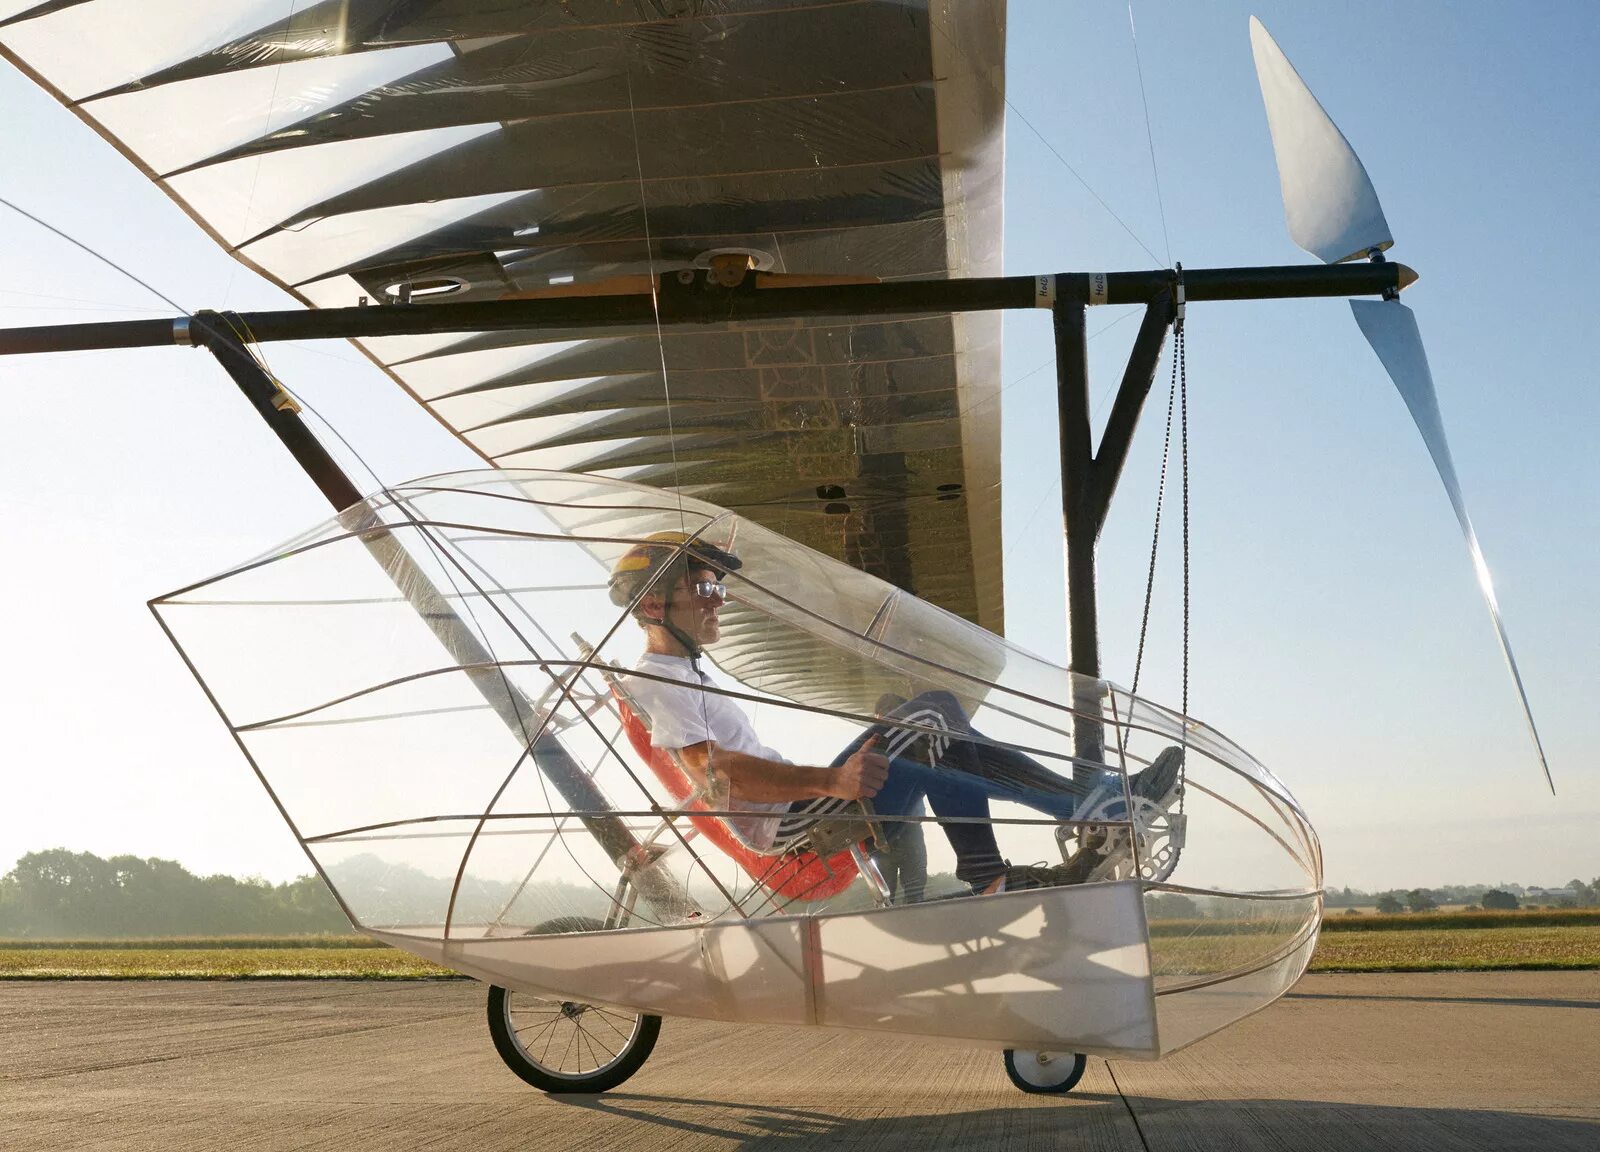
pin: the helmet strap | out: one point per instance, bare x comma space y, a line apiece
683, 638
679, 635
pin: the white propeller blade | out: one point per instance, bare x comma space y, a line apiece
1332, 207
1391, 329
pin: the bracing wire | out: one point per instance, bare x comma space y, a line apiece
241, 331
440, 552
1018, 113
82, 305
1079, 178
655, 294
1148, 134
255, 172
106, 260
661, 352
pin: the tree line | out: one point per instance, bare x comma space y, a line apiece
57, 894
1576, 894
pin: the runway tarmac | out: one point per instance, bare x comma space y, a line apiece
1442, 1062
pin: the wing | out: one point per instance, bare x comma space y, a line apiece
463, 150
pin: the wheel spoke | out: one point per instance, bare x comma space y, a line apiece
572, 1039
533, 1016
541, 1009
546, 1026
622, 1034
536, 1022
628, 1018
597, 1047
537, 1008
594, 1043
544, 1057
594, 1062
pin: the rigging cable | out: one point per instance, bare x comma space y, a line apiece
246, 340
655, 296
1148, 135
255, 172
666, 392
960, 50
241, 331
983, 77
106, 260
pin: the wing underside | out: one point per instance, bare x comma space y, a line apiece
465, 150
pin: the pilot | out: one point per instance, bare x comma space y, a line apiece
893, 763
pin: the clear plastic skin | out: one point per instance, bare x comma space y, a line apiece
444, 730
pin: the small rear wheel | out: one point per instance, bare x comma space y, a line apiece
1045, 1071
564, 1046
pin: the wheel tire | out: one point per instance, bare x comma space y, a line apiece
587, 1059
1045, 1072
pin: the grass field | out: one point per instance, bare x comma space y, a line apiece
374, 962
1334, 920
1450, 949
1441, 942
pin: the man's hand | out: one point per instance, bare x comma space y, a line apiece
861, 776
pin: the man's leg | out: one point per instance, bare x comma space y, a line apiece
926, 736
955, 800
905, 863
935, 727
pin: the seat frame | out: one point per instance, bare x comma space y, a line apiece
820, 865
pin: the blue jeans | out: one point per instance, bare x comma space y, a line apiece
959, 779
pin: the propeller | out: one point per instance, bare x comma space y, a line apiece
1334, 214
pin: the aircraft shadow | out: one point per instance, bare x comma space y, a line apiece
1111, 1122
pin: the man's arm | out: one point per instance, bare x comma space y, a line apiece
760, 780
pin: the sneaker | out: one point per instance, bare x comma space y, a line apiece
1021, 877
1163, 779
1158, 783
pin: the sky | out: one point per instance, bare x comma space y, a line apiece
1336, 628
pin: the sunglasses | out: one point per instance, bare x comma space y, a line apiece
709, 590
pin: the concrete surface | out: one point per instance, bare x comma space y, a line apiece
1441, 1062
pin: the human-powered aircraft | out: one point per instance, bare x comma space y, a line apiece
736, 267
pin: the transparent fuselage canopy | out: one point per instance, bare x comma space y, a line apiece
455, 712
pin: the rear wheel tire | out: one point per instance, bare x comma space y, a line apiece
562, 1046
1045, 1072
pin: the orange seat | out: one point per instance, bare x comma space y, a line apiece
796, 874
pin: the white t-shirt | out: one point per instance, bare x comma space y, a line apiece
680, 715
